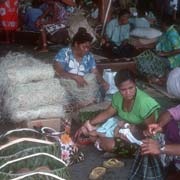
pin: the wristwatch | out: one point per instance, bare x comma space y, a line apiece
162, 149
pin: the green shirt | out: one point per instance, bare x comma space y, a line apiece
169, 41
143, 107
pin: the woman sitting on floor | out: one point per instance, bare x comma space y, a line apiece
76, 65
131, 105
168, 144
165, 57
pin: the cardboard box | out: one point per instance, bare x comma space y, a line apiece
55, 123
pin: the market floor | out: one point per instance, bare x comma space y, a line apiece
93, 157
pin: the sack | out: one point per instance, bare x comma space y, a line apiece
173, 82
148, 33
108, 76
146, 167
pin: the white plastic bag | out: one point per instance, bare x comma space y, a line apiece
148, 33
108, 76
173, 82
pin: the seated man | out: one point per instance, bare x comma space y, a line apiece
168, 146
31, 15
117, 35
52, 21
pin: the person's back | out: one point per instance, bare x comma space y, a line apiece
32, 14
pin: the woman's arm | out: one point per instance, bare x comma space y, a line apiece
169, 53
90, 125
103, 116
163, 120
62, 73
100, 79
151, 146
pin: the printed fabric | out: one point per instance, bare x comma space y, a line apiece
9, 15
169, 41
175, 112
67, 60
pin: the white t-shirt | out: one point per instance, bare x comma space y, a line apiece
173, 4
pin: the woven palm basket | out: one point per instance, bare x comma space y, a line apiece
33, 164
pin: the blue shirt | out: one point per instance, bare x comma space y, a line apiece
30, 18
117, 33
67, 60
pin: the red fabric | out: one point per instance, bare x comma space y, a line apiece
9, 15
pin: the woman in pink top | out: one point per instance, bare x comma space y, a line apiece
168, 146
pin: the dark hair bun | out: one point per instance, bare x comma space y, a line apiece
82, 36
82, 30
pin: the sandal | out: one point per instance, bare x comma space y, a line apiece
113, 163
97, 173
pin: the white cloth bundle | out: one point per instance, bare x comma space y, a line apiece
173, 82
148, 33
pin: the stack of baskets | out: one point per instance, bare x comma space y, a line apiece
27, 154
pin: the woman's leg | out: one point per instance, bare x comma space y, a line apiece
43, 41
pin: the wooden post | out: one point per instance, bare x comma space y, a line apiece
103, 4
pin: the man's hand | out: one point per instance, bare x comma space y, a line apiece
150, 146
81, 82
38, 23
152, 130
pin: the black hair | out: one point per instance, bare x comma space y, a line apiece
124, 75
168, 20
81, 36
123, 12
36, 3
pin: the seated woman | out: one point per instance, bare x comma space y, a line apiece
77, 65
168, 144
117, 35
131, 105
167, 50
